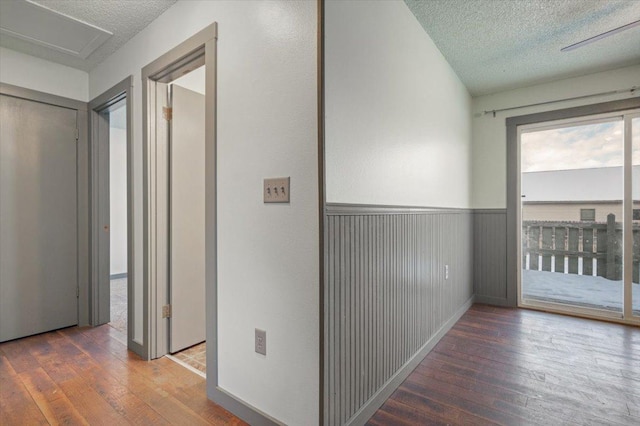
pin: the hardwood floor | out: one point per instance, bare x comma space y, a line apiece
495, 366
516, 367
87, 376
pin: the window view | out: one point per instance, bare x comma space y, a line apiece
588, 214
572, 215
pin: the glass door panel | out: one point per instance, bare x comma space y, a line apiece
572, 215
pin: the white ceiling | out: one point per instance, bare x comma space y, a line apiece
123, 18
496, 45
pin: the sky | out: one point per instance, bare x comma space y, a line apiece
578, 147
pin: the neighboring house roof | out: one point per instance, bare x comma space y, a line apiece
599, 184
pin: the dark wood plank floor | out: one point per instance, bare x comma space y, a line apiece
516, 367
87, 376
496, 366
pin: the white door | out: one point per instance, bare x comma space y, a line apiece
38, 218
187, 224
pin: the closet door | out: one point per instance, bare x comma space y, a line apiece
38, 218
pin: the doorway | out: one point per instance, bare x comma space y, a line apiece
118, 268
115, 293
179, 197
579, 229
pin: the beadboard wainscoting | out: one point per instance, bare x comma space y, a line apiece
396, 280
490, 258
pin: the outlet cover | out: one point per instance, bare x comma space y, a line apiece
276, 190
261, 342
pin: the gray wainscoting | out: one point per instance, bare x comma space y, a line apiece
387, 299
490, 257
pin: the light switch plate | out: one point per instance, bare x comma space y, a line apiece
276, 190
261, 342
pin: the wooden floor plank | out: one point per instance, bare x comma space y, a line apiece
17, 407
164, 376
496, 366
51, 400
514, 366
87, 376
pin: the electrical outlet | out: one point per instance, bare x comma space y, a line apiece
276, 190
446, 272
261, 342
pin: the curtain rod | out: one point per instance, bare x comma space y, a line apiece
612, 92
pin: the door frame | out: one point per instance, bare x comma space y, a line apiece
82, 182
121, 91
198, 50
513, 189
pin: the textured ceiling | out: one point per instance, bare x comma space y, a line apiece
496, 45
124, 18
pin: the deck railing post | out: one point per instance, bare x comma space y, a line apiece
611, 247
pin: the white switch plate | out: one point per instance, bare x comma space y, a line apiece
261, 342
276, 190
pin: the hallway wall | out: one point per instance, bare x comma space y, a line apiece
398, 133
118, 197
267, 127
398, 118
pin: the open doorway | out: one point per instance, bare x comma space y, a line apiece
179, 200
118, 268
116, 297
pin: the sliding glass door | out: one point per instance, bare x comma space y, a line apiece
634, 288
579, 242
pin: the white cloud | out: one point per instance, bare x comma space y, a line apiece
578, 147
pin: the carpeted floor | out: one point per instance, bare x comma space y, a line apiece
119, 304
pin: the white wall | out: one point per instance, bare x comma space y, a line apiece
398, 119
268, 254
489, 134
38, 74
118, 197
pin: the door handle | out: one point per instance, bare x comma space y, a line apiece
106, 228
